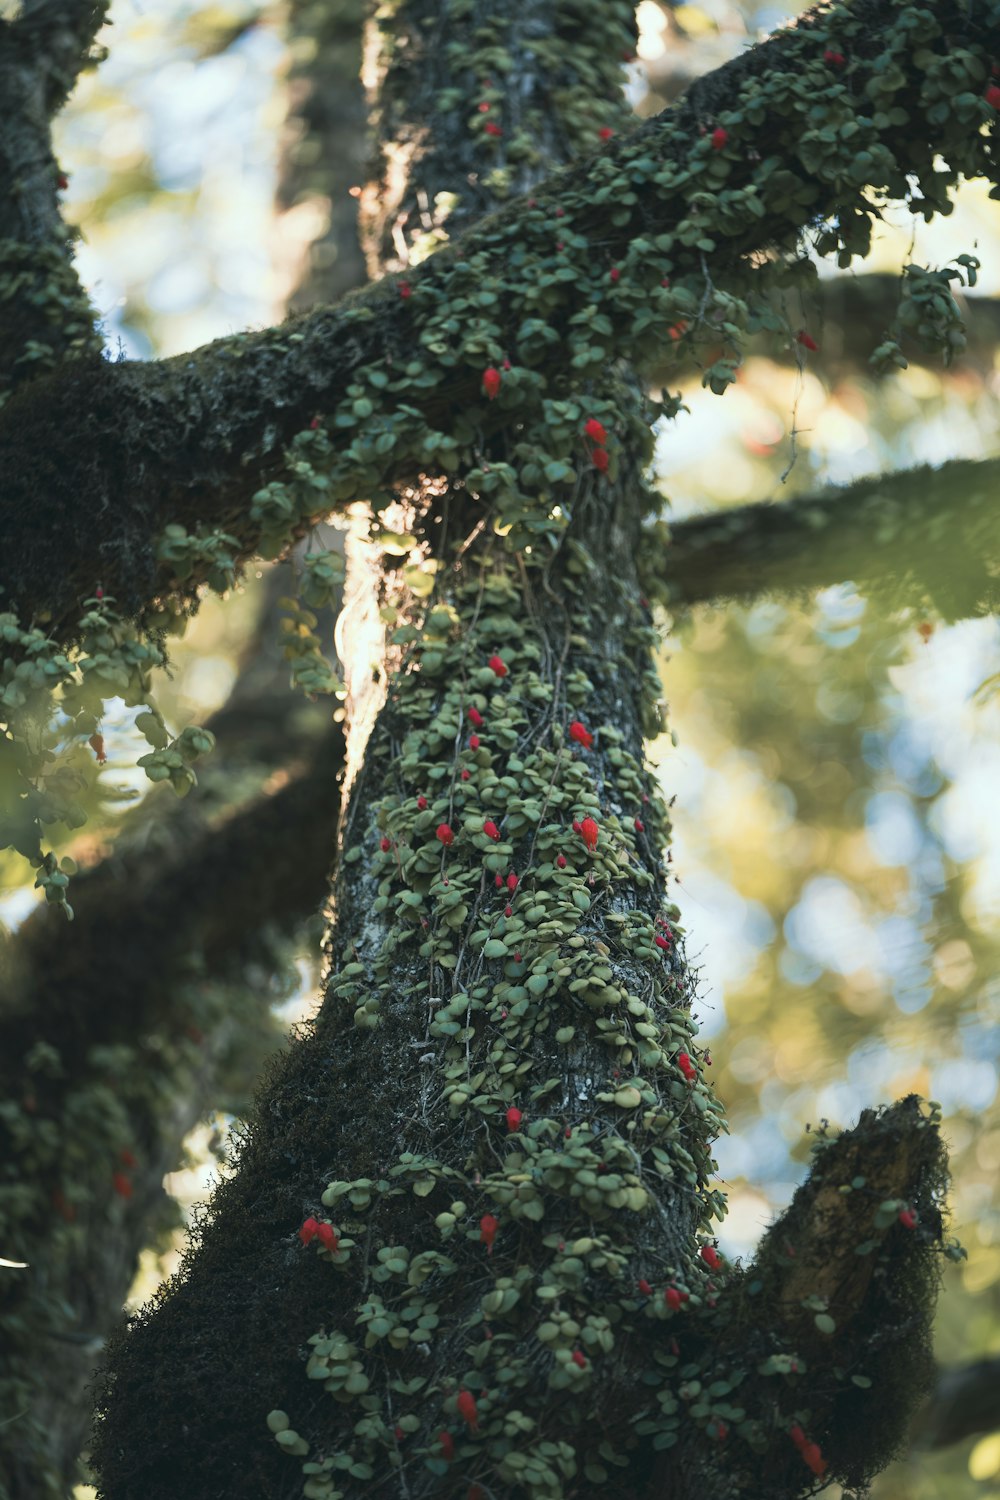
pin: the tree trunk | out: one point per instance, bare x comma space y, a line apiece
465, 1249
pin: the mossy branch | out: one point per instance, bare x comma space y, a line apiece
924, 538
687, 207
847, 1279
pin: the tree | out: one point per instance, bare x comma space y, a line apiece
474, 1205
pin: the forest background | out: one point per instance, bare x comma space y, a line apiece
837, 827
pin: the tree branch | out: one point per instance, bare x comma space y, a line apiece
846, 1278
100, 459
44, 315
966, 1401
923, 537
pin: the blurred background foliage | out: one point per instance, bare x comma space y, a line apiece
836, 772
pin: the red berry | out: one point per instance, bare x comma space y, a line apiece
513, 1118
491, 382
579, 1359
719, 138
445, 834
475, 718
422, 802
498, 665
384, 845
491, 830
473, 742
645, 1288
561, 861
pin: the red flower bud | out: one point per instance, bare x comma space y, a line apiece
445, 834
581, 734
485, 107
314, 424
673, 1298
835, 59
475, 718
404, 289
466, 775
992, 96
309, 1230
512, 881
492, 129
488, 1226
491, 830
605, 132
589, 833
327, 1236
422, 802
711, 1257
645, 1288
398, 1433
96, 743
579, 1359
98, 592
473, 742
721, 1432
719, 138
123, 1186
614, 273
595, 431
577, 825
62, 182
807, 341
687, 1067
513, 1118
813, 1458
384, 845
447, 1445
466, 1404
599, 459
639, 826
498, 882
498, 665
508, 911
561, 861
907, 1218
491, 382
797, 1436
127, 1158
661, 941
